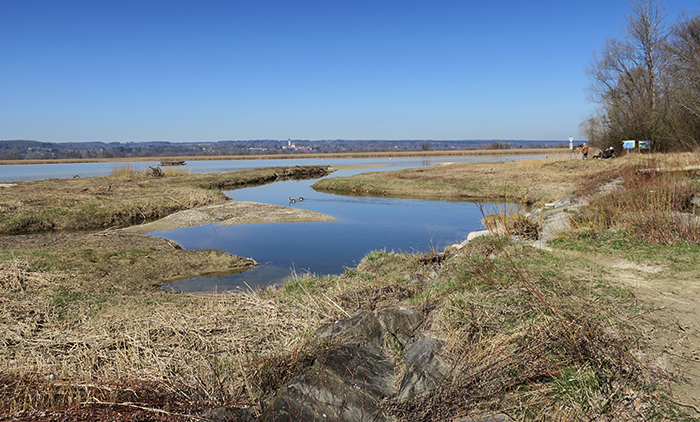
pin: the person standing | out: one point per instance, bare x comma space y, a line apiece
584, 151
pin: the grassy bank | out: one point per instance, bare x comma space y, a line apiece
578, 332
125, 197
530, 182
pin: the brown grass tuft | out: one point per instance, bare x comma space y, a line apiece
15, 275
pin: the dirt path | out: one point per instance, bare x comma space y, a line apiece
671, 322
673, 330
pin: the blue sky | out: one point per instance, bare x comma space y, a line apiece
207, 70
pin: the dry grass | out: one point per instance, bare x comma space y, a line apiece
195, 349
511, 221
126, 171
521, 338
531, 183
656, 206
523, 331
124, 198
538, 163
171, 171
15, 276
129, 172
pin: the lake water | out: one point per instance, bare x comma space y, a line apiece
364, 223
15, 173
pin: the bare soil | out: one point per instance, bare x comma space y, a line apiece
672, 331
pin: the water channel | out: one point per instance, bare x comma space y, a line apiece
363, 224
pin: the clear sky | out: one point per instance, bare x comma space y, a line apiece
209, 70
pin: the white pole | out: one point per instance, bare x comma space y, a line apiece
571, 147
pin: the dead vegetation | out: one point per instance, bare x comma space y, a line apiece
533, 334
124, 198
526, 182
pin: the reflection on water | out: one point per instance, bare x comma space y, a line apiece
364, 224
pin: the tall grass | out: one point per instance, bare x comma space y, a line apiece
652, 205
173, 171
126, 171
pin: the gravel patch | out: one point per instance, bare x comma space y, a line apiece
230, 213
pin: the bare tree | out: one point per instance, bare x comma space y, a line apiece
684, 50
627, 79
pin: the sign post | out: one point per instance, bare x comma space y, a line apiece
571, 147
644, 145
628, 145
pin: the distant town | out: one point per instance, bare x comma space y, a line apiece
37, 150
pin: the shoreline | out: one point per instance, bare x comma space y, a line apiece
380, 154
228, 214
75, 299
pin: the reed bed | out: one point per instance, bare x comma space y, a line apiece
657, 206
126, 171
378, 154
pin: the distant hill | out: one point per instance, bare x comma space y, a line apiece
29, 149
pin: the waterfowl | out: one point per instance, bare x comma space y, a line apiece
301, 198
291, 200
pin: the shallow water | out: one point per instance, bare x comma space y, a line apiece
364, 224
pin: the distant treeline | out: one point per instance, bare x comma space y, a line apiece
36, 150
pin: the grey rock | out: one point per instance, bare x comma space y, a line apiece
365, 326
401, 324
347, 383
414, 277
426, 369
349, 380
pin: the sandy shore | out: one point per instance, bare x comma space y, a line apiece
230, 213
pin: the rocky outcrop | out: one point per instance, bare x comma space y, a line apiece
353, 375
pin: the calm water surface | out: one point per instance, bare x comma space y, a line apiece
15, 173
364, 223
